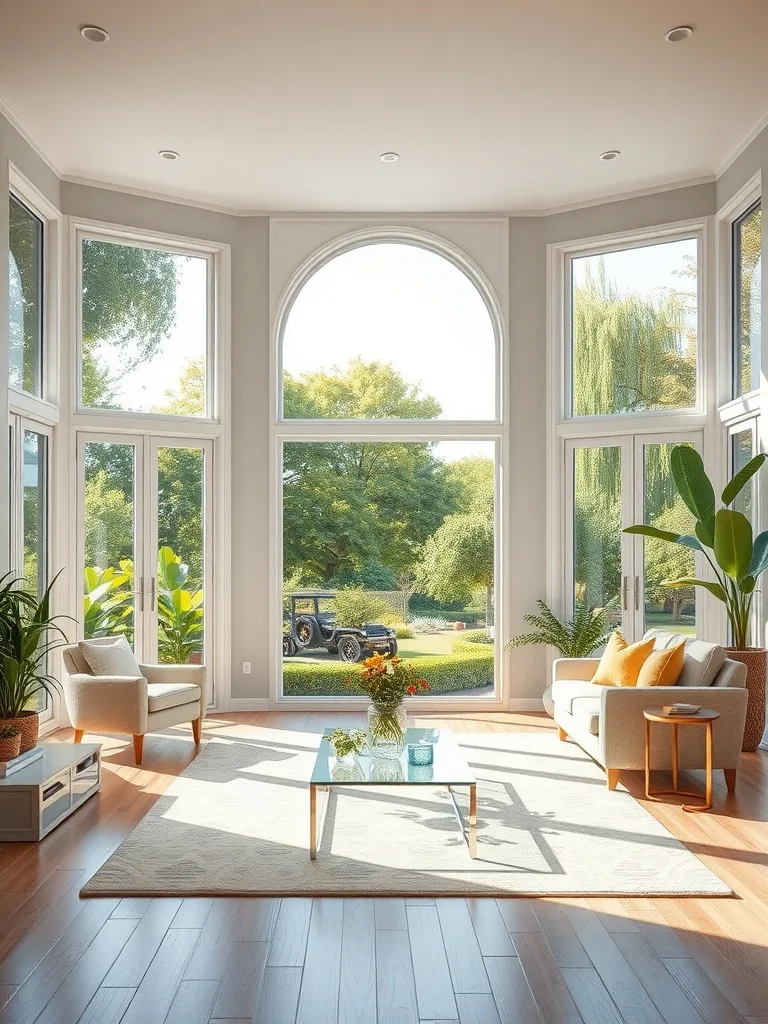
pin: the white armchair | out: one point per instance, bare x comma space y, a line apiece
162, 696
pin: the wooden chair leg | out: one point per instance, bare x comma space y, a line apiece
562, 735
78, 735
730, 779
612, 777
138, 748
197, 725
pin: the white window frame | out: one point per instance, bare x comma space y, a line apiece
97, 231
661, 425
116, 423
495, 430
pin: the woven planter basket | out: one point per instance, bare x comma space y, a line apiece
755, 659
28, 725
9, 747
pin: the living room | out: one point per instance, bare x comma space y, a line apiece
382, 626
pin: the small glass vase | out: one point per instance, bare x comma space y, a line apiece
386, 730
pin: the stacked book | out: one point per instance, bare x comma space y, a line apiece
682, 710
28, 757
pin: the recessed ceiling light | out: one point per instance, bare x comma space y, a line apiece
610, 154
94, 34
168, 154
678, 34
389, 158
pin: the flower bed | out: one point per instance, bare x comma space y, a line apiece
467, 669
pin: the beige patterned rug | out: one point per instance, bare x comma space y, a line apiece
237, 822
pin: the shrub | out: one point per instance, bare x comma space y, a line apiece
355, 606
445, 673
471, 638
403, 632
428, 624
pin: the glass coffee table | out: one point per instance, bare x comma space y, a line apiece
449, 769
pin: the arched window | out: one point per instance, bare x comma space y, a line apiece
389, 538
395, 305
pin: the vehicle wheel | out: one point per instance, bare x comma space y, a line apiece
349, 648
306, 633
289, 647
392, 648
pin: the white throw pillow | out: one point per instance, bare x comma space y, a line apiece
702, 663
115, 659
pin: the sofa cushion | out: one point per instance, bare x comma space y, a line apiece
110, 659
662, 639
586, 711
663, 668
702, 663
566, 691
621, 662
171, 695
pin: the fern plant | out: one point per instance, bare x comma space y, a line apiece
575, 638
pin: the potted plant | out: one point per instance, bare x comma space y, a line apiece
347, 744
724, 538
387, 681
575, 638
28, 634
10, 742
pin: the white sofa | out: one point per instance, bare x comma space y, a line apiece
607, 721
162, 696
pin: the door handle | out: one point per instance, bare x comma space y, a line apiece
152, 594
140, 594
624, 586
637, 593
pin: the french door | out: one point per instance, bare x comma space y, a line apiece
145, 542
612, 483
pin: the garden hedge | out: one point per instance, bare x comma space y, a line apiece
463, 670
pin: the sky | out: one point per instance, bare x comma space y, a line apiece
646, 269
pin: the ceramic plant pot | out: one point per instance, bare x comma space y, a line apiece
755, 658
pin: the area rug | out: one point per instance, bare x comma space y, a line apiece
237, 823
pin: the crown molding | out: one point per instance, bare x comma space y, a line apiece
163, 197
615, 197
30, 140
748, 139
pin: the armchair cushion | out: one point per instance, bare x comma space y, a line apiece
171, 695
110, 659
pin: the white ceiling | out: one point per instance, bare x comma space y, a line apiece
494, 105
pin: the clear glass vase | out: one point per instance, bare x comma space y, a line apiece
387, 725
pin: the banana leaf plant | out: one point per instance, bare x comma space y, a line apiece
179, 611
108, 600
723, 536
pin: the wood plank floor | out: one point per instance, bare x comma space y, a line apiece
378, 961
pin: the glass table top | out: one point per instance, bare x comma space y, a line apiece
449, 767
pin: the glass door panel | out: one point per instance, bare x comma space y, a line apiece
34, 510
110, 471
596, 524
179, 594
673, 610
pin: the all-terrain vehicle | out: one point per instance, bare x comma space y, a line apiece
312, 624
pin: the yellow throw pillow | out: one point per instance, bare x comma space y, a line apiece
621, 662
663, 668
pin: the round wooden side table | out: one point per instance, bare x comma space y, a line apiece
704, 717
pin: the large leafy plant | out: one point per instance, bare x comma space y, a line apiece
575, 638
179, 611
28, 634
723, 536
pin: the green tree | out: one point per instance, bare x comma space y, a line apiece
750, 248
188, 398
128, 301
458, 557
351, 504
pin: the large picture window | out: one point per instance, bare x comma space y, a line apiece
634, 329
25, 298
746, 249
389, 533
145, 329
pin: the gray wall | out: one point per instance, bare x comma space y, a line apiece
249, 239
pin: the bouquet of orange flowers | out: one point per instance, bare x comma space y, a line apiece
387, 680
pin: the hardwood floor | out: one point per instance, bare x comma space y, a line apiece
378, 961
